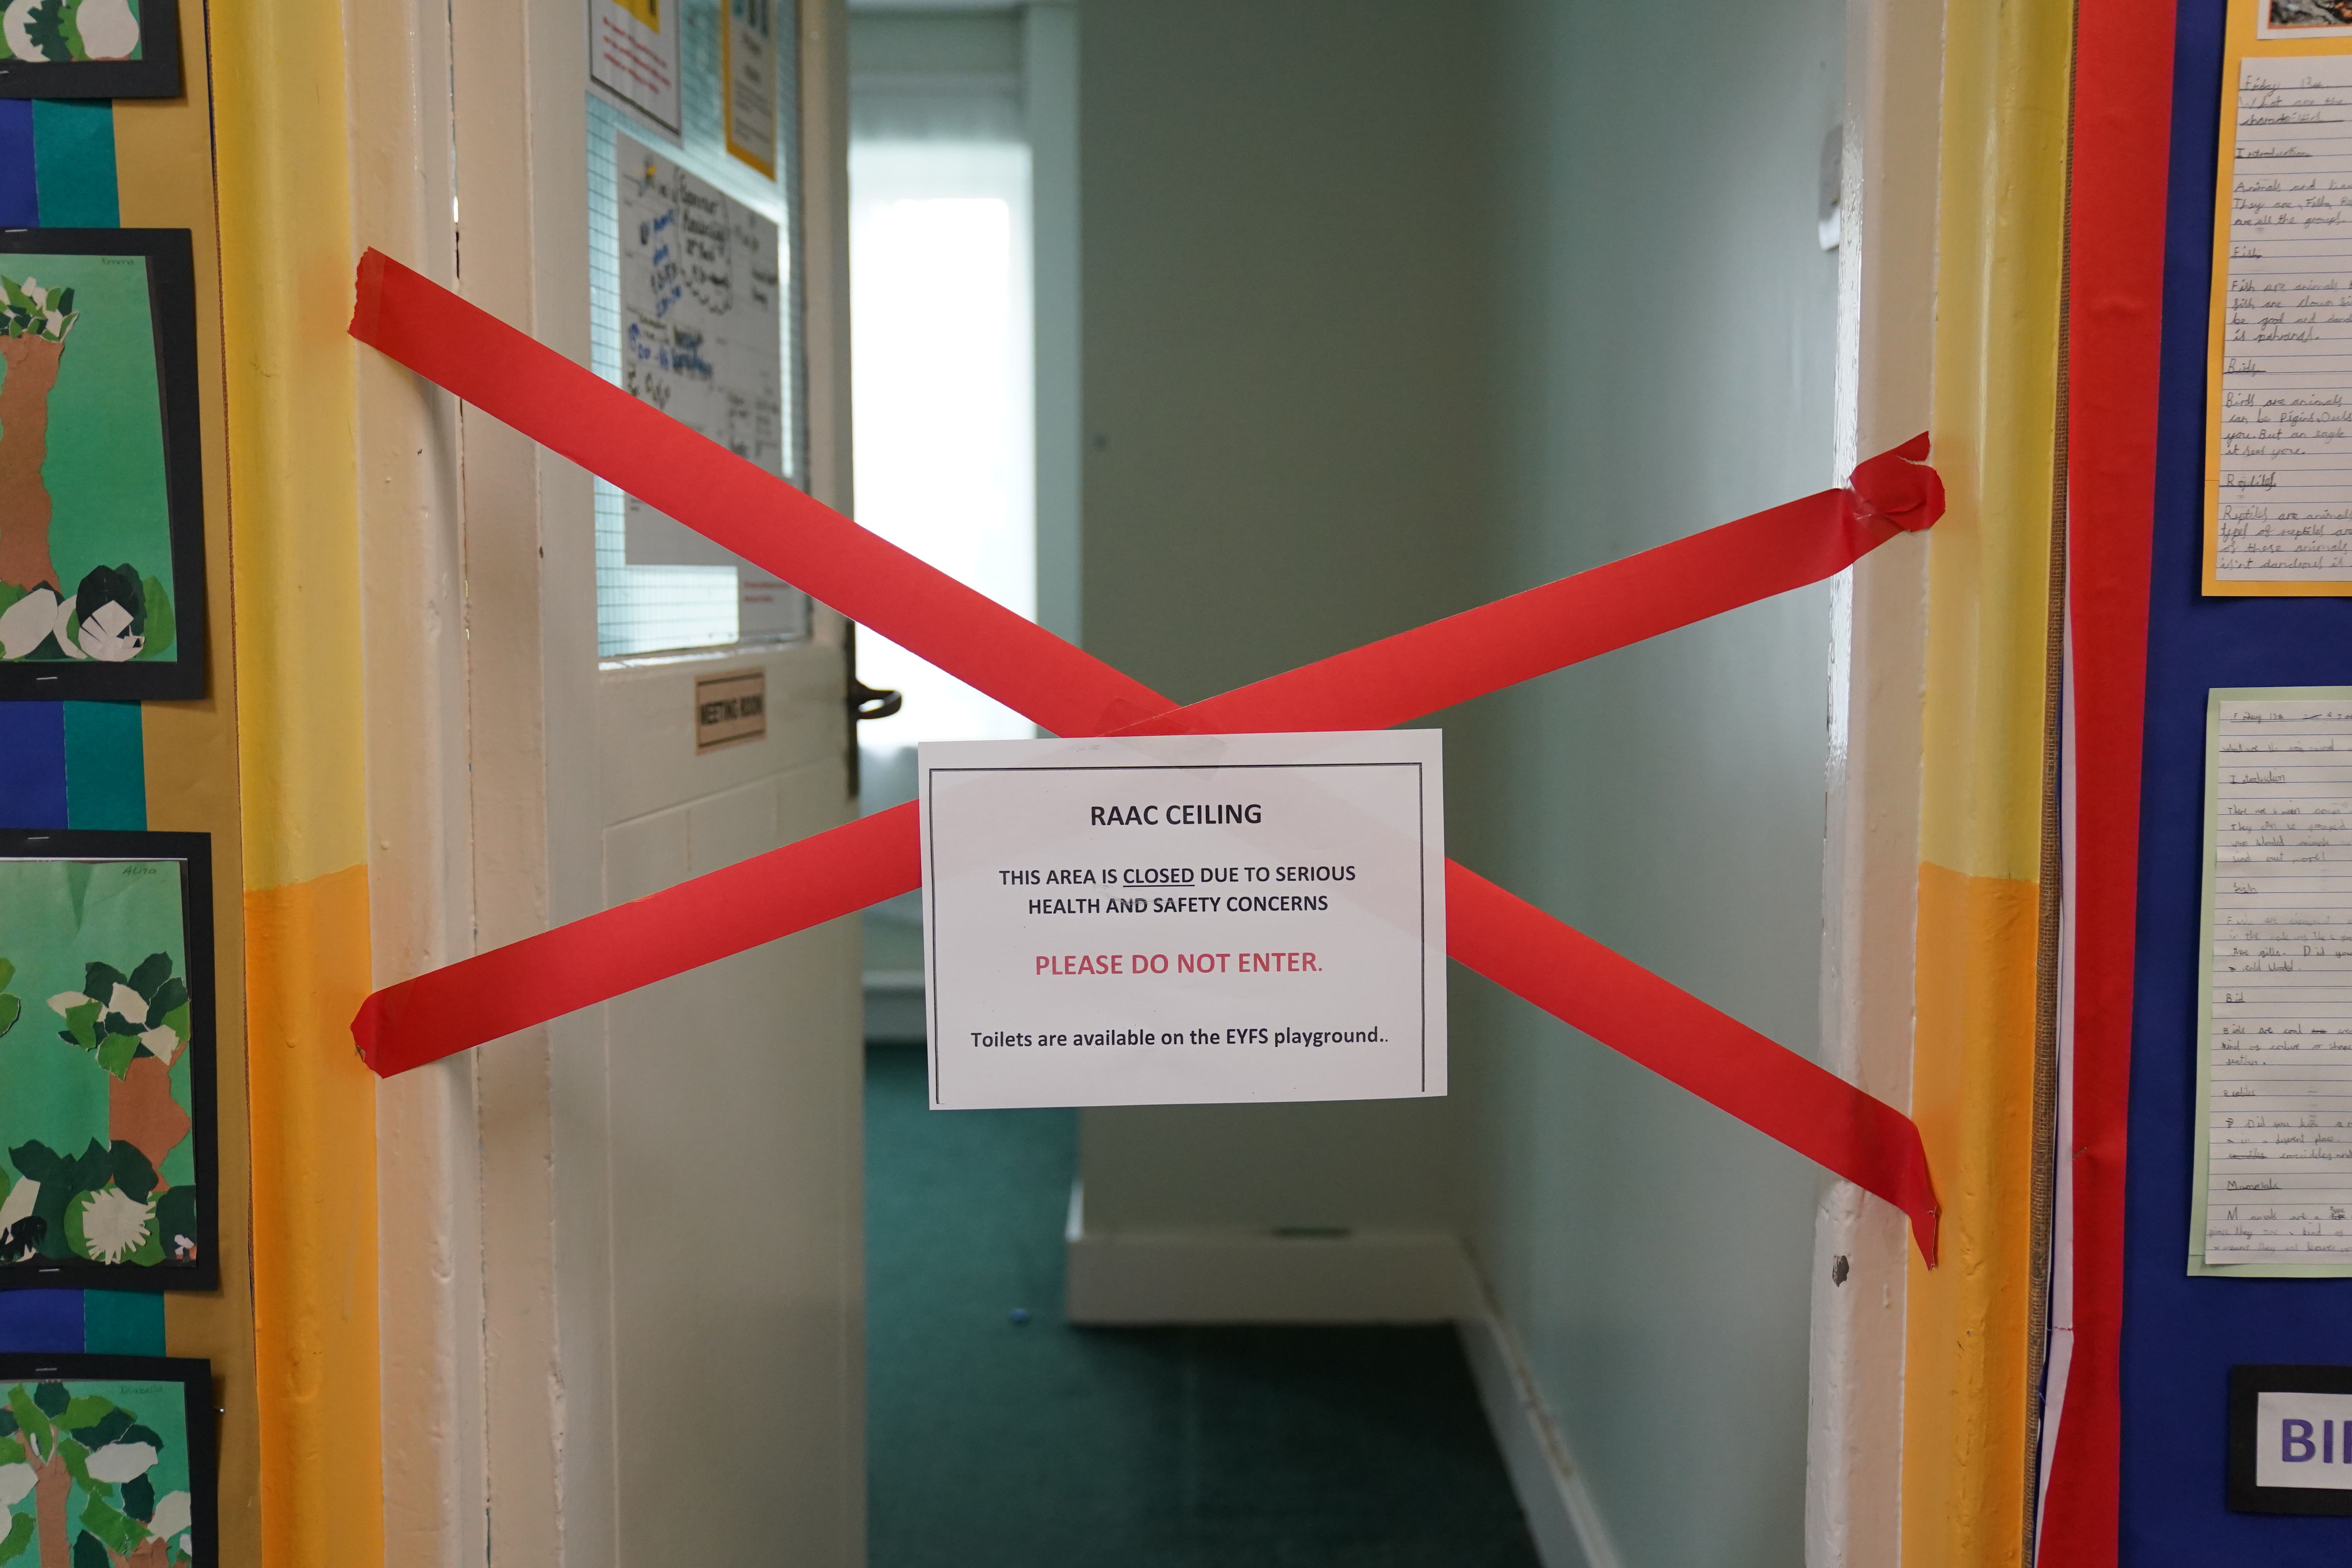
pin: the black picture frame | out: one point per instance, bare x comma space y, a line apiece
201, 1419
171, 305
155, 74
194, 852
2247, 1385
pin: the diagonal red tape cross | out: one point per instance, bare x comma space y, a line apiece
573, 412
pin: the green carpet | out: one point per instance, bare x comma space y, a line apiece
992, 1442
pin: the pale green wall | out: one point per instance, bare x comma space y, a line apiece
1283, 218
1394, 307
1667, 364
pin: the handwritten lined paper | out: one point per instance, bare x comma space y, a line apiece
2276, 1154
2283, 501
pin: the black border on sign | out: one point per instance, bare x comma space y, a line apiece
2247, 1385
196, 1379
930, 967
171, 309
155, 74
194, 853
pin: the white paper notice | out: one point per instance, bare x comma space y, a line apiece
632, 50
702, 341
1184, 919
2282, 472
2274, 1155
2296, 1440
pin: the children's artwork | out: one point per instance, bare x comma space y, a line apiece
101, 492
106, 1462
106, 1061
89, 48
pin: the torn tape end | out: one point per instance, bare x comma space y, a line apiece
368, 297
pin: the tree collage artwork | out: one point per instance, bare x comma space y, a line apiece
98, 1161
99, 1471
62, 30
84, 574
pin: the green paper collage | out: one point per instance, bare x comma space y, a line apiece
85, 536
97, 1151
96, 1473
63, 31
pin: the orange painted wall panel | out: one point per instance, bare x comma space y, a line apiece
314, 1223
1972, 1096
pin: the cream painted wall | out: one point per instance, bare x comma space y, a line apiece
1392, 308
1283, 213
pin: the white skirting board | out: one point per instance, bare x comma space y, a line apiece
1136, 1278
1561, 1517
1352, 1277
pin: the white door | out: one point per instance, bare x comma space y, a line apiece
670, 1220
732, 1150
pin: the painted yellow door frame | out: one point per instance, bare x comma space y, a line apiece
389, 1413
287, 151
284, 153
2001, 256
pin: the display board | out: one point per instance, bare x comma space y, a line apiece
2156, 1320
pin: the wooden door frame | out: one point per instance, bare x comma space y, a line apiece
479, 626
1886, 292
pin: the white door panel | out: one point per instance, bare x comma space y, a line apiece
645, 855
663, 1191
648, 761
733, 1145
734, 1141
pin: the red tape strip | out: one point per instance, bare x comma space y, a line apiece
573, 412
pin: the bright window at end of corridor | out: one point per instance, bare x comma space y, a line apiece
942, 353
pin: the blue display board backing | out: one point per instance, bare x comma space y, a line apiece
2182, 1334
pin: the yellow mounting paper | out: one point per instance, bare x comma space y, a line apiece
2278, 461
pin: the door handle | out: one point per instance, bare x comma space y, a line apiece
872, 702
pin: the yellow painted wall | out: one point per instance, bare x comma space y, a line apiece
2001, 250
286, 257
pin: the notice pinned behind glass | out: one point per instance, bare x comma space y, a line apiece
2273, 1168
703, 304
